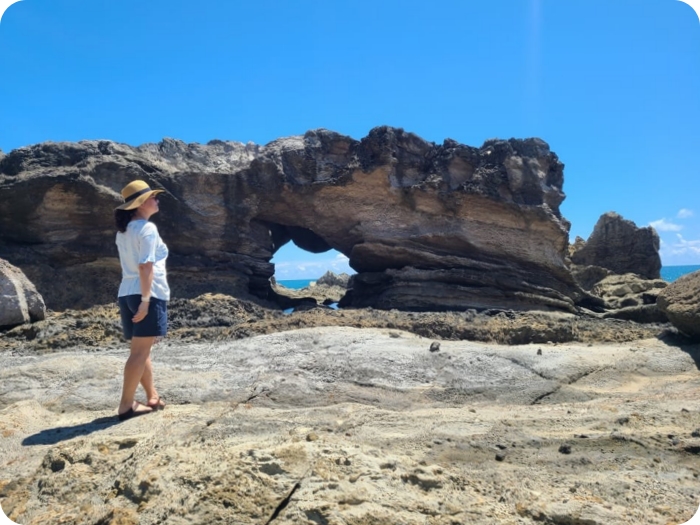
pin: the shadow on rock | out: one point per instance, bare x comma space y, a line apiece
52, 436
689, 345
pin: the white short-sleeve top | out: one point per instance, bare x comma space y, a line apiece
140, 244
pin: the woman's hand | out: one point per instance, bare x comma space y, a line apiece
141, 313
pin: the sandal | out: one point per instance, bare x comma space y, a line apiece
133, 413
158, 405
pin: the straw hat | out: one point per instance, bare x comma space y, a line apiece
135, 194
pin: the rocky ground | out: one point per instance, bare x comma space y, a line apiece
224, 318
353, 417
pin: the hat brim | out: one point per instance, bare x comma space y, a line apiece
138, 201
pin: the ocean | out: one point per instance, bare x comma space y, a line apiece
668, 274
296, 284
671, 273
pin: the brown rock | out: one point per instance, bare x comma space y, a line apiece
680, 301
19, 301
426, 226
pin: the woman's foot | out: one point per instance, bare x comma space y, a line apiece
136, 409
156, 403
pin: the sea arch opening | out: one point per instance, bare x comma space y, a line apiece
301, 258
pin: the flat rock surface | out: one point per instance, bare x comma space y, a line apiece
340, 425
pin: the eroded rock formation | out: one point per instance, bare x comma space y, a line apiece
621, 247
426, 226
680, 301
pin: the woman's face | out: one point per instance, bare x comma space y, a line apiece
149, 206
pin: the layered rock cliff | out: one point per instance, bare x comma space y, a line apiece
426, 226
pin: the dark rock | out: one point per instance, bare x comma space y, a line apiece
434, 346
539, 351
588, 276
500, 456
695, 433
565, 448
621, 247
680, 301
331, 279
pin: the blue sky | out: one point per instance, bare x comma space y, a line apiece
611, 85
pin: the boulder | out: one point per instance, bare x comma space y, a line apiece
426, 226
20, 302
621, 247
622, 291
680, 301
331, 279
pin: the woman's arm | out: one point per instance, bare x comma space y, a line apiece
146, 280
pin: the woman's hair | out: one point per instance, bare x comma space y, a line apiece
122, 218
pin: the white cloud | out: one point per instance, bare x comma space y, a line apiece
683, 246
684, 213
662, 225
680, 251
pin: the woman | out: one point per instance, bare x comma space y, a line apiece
143, 293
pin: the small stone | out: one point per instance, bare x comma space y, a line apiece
539, 351
312, 437
695, 433
685, 410
565, 449
435, 346
500, 456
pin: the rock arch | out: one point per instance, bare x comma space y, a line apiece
426, 226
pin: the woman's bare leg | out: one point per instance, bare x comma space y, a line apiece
133, 372
147, 383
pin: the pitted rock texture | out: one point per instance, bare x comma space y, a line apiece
20, 303
680, 301
627, 296
426, 226
619, 246
359, 427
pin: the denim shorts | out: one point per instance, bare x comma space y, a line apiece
155, 324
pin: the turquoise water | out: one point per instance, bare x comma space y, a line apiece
296, 284
668, 273
671, 273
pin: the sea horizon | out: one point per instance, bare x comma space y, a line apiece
668, 274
